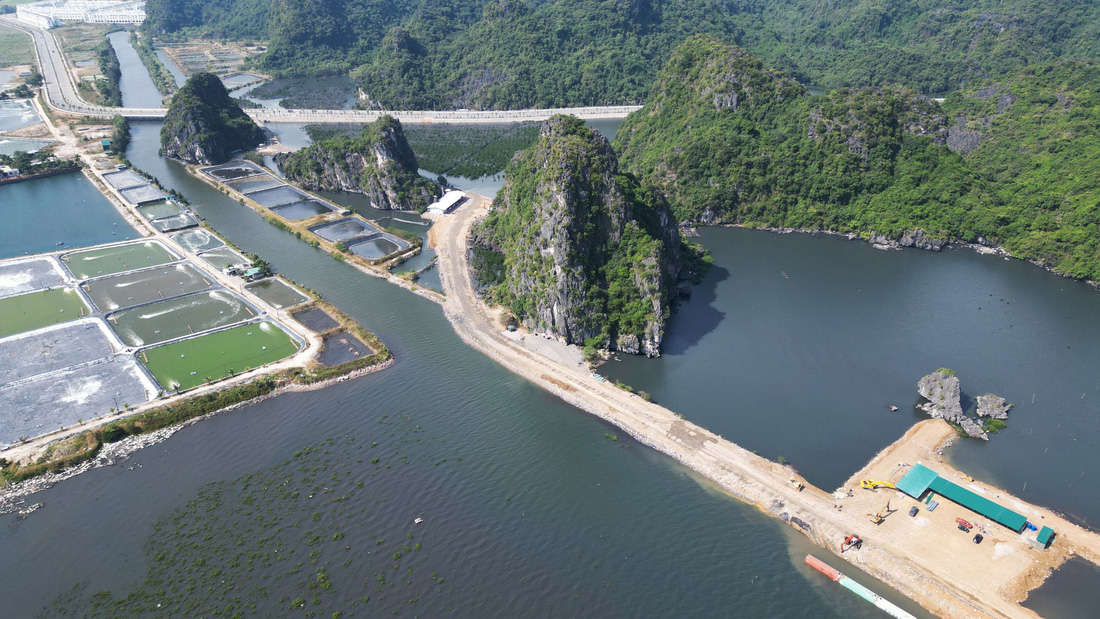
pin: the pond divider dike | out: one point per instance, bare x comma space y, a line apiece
121, 375
348, 237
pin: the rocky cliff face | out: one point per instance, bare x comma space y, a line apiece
941, 389
993, 406
204, 125
588, 254
378, 163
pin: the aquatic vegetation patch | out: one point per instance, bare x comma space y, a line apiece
309, 537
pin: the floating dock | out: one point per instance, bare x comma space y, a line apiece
887, 607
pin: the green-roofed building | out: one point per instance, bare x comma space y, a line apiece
921, 479
1046, 536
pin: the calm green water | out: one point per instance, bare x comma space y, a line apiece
138, 88
526, 504
57, 212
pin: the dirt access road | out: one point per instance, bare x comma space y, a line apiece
947, 582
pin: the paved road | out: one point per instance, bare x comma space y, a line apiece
61, 94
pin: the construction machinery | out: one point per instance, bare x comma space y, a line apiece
850, 542
872, 484
880, 515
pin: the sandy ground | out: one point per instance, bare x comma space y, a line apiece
926, 558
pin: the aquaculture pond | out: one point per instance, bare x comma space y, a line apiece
372, 249
284, 194
10, 146
57, 212
159, 210
39, 309
277, 293
255, 183
225, 257
188, 363
179, 317
16, 114
301, 210
342, 347
176, 222
197, 240
315, 319
25, 275
116, 259
137, 287
343, 230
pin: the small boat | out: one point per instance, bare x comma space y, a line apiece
418, 521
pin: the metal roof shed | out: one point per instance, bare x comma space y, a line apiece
917, 480
973, 501
1046, 534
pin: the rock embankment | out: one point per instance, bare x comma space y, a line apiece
379, 164
204, 125
941, 389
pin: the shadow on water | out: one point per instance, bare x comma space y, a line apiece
698, 316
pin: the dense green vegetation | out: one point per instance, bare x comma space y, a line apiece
40, 162
378, 163
1005, 162
108, 66
166, 84
204, 124
471, 151
413, 54
15, 47
120, 134
582, 250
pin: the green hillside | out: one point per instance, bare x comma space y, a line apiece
516, 53
1005, 162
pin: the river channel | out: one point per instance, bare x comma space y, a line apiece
527, 503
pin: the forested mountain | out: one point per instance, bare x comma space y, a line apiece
1009, 161
204, 125
521, 53
576, 248
377, 163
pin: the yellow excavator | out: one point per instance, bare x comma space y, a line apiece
871, 484
881, 515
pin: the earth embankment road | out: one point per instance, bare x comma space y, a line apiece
946, 583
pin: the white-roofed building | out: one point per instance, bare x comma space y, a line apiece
448, 203
51, 13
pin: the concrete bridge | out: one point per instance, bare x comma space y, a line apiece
61, 94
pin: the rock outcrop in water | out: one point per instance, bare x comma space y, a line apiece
993, 406
941, 389
204, 125
578, 249
378, 163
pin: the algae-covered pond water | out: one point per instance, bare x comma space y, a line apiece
167, 320
130, 289
39, 309
194, 361
111, 260
224, 257
197, 240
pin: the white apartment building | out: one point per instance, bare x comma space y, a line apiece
51, 13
